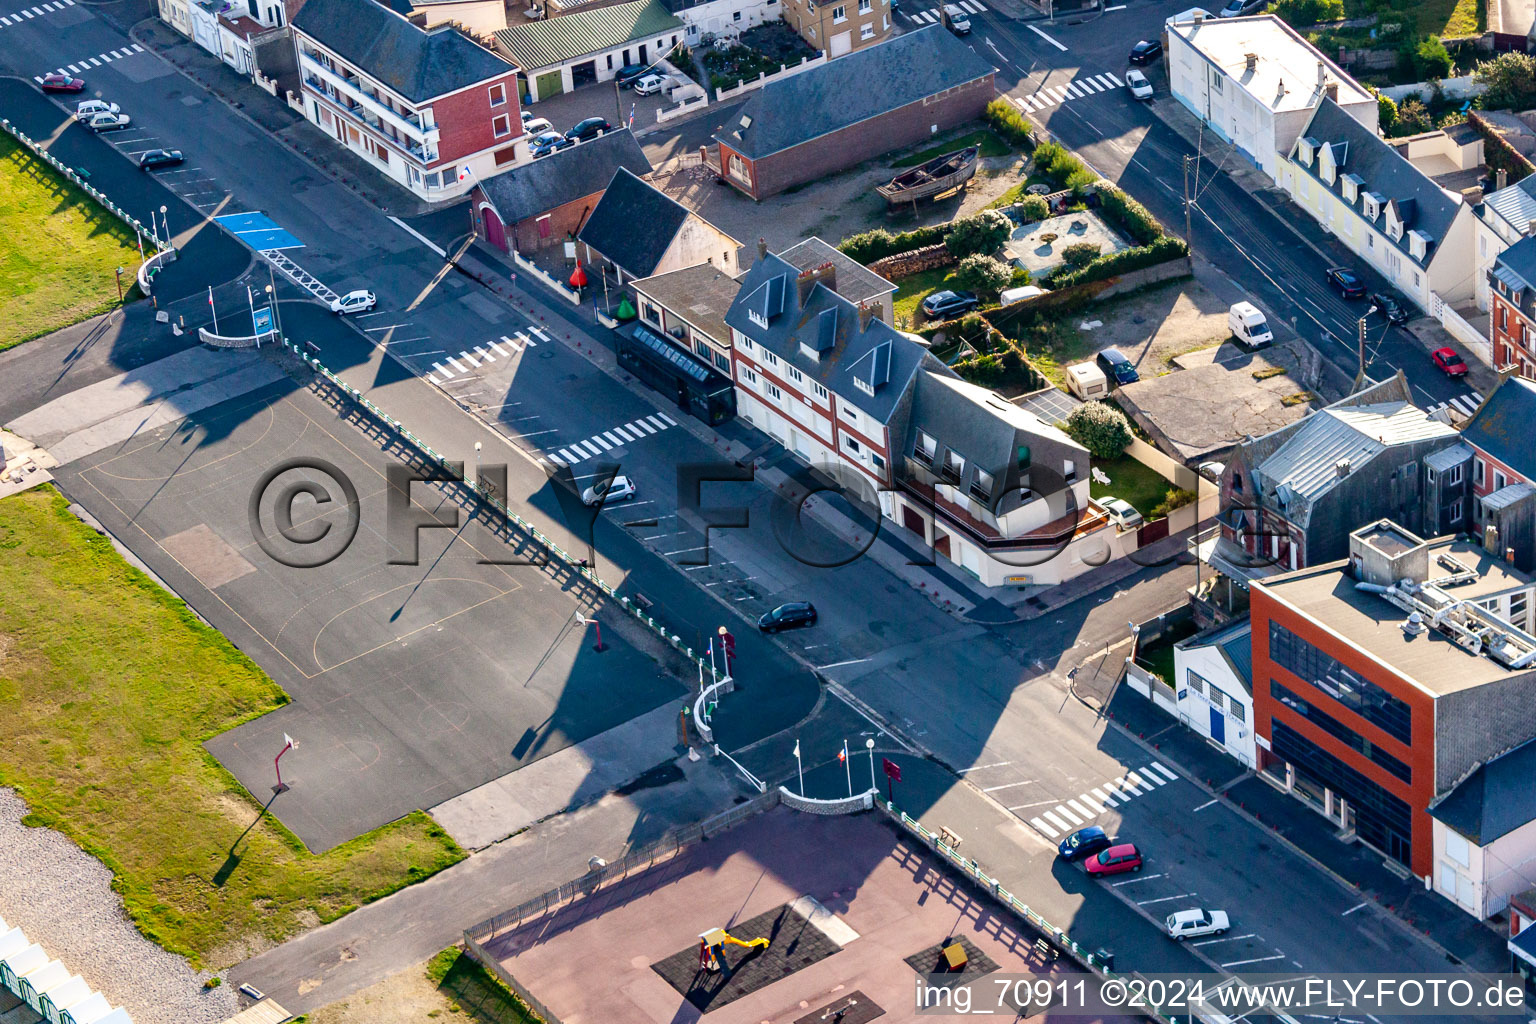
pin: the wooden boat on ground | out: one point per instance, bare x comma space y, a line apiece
939, 175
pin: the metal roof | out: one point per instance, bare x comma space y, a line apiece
540, 44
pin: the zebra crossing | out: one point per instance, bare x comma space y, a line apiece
1055, 95
608, 440
34, 12
472, 359
931, 16
97, 61
1465, 404
1070, 815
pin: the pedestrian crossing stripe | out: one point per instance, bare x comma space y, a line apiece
29, 14
1074, 813
103, 58
1055, 95
931, 15
475, 356
634, 430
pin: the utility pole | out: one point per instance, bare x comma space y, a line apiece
1188, 202
1360, 351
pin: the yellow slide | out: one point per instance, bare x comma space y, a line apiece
716, 939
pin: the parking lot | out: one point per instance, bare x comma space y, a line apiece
600, 99
411, 683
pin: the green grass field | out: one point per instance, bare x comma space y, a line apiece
480, 994
911, 290
108, 687
990, 142
1130, 481
59, 250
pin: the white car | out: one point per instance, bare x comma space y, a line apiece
107, 121
1138, 84
620, 488
87, 109
1122, 513
359, 301
537, 125
1187, 924
650, 84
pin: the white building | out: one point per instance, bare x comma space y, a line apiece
1213, 688
558, 55
1387, 211
1255, 82
722, 19
1485, 833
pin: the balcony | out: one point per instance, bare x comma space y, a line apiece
352, 88
363, 116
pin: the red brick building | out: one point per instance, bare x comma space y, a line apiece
1373, 698
431, 109
1512, 307
872, 101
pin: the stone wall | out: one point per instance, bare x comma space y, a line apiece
903, 264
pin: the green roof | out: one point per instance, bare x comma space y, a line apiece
540, 44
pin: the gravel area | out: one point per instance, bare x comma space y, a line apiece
62, 898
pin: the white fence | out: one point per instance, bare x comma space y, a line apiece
1461, 88
689, 104
1477, 343
571, 296
763, 79
842, 805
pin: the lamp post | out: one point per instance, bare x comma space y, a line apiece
166, 217
800, 767
477, 463
119, 286
869, 745
277, 320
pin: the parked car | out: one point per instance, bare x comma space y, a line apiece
62, 83
1085, 842
1248, 326
1392, 311
1189, 924
1237, 8
650, 84
549, 142
1346, 282
629, 74
85, 109
537, 125
1137, 82
958, 21
620, 488
794, 615
359, 301
1117, 860
1117, 367
106, 121
1146, 51
946, 305
1448, 362
590, 128
154, 159
1121, 512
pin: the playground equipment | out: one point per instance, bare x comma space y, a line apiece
713, 942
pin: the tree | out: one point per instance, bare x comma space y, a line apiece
1101, 428
1080, 254
983, 274
1511, 81
1413, 117
1386, 112
1032, 208
1431, 60
984, 233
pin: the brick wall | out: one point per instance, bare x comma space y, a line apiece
1512, 336
563, 221
464, 119
895, 129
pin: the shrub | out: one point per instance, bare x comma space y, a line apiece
1129, 216
983, 274
1053, 161
1431, 61
1032, 208
1413, 117
1079, 254
1309, 12
1079, 180
1101, 428
1176, 497
1511, 81
1008, 122
1386, 112
1019, 276
1123, 262
868, 246
984, 232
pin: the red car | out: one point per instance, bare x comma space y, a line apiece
1449, 362
57, 82
1114, 861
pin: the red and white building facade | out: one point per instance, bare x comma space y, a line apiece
431, 109
1512, 308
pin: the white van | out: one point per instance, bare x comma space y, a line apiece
959, 21
1019, 294
1248, 325
1087, 381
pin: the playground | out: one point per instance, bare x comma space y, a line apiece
787, 917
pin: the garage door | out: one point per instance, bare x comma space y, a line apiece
841, 43
549, 85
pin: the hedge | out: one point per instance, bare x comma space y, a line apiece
868, 246
1006, 120
1129, 216
1123, 262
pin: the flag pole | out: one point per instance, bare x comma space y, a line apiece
848, 767
800, 767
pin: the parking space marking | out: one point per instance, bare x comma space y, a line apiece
1351, 910
1204, 806
1164, 899
1143, 878
981, 767
1225, 938
1255, 960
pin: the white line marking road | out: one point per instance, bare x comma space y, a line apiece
1048, 39
1204, 806
423, 239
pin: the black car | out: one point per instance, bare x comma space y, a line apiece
947, 305
1083, 843
153, 158
788, 616
1393, 311
1346, 281
591, 128
629, 74
1146, 51
1116, 367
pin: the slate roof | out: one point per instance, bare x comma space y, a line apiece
889, 75
563, 176
1515, 268
770, 285
855, 282
539, 44
701, 295
418, 65
1502, 426
1235, 640
633, 224
1496, 798
1423, 205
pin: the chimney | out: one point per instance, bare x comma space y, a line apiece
1322, 74
762, 248
1472, 196
868, 311
1509, 555
1199, 17
1250, 61
825, 274
1530, 226
1331, 90
1501, 179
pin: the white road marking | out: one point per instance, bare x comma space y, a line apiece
496, 348
610, 435
1255, 960
1048, 39
979, 767
606, 446
1096, 806
471, 360
1204, 806
839, 664
1225, 938
1079, 809
1143, 878
1351, 910
1051, 833
623, 433
1061, 826
670, 421
423, 239
1063, 812
1007, 785
483, 354
456, 364
648, 428
1159, 767
1164, 899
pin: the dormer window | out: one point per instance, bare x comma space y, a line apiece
1350, 188
954, 464
927, 447
981, 486
1305, 148
1326, 168
1370, 206
1418, 245
1394, 225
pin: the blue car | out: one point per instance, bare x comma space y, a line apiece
1083, 843
549, 142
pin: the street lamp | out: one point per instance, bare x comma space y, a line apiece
165, 217
477, 463
277, 319
119, 286
869, 744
